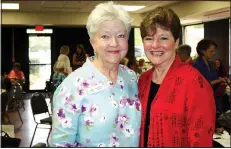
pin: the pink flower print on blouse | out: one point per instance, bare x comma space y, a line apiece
84, 108
110, 84
138, 105
75, 108
93, 110
67, 99
123, 67
121, 121
61, 114
131, 102
102, 145
123, 101
128, 131
85, 84
77, 81
114, 140
102, 119
92, 76
66, 122
114, 104
66, 145
88, 122
80, 91
113, 101
63, 91
112, 96
121, 83
88, 140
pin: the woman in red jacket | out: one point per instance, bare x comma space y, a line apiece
177, 102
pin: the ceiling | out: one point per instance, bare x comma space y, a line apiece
83, 6
88, 6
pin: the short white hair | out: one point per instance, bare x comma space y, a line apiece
107, 11
63, 62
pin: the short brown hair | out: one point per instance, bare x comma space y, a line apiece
164, 18
184, 49
17, 65
64, 50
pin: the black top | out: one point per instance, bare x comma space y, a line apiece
152, 93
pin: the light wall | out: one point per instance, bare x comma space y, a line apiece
52, 18
187, 8
183, 9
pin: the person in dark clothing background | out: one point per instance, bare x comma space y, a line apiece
79, 57
206, 50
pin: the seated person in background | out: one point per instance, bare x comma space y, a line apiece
220, 68
141, 65
184, 52
62, 69
79, 57
16, 75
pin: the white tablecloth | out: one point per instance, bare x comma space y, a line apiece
223, 139
9, 129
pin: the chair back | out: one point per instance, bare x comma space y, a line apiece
18, 91
38, 104
8, 142
15, 92
6, 83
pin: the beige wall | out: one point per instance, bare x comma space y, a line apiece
52, 18
183, 9
188, 8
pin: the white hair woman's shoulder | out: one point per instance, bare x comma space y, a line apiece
107, 11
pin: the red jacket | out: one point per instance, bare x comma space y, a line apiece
183, 110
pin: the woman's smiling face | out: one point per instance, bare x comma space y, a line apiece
160, 46
110, 41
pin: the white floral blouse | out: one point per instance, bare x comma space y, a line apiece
91, 111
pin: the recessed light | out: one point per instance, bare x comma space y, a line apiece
13, 6
131, 8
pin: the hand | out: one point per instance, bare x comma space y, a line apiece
227, 79
223, 80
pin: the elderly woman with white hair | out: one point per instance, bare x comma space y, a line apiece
97, 105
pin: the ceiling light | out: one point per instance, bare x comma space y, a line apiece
132, 8
10, 6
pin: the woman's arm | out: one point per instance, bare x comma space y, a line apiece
201, 113
218, 81
66, 112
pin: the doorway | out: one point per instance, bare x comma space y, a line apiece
39, 61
